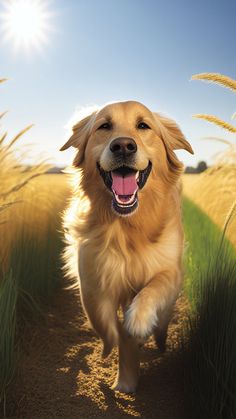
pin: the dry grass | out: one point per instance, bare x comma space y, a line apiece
15, 176
217, 121
216, 78
225, 82
33, 210
214, 191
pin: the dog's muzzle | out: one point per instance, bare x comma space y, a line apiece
124, 181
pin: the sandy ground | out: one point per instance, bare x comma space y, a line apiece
61, 373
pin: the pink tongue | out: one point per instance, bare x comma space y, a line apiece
124, 185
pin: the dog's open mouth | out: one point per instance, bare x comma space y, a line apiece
124, 183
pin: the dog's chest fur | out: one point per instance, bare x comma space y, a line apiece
119, 259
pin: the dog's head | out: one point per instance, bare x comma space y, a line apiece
124, 147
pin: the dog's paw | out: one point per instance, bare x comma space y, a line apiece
140, 318
124, 387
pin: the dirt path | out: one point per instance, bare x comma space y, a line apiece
62, 374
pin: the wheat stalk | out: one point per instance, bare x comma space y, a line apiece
2, 138
20, 185
8, 204
221, 140
22, 132
216, 78
3, 114
216, 121
230, 216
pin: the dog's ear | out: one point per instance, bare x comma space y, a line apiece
79, 138
173, 134
173, 139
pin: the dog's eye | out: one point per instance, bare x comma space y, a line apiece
106, 125
143, 125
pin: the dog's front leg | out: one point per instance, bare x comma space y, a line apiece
128, 372
99, 305
152, 303
102, 314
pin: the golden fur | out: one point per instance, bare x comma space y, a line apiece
132, 262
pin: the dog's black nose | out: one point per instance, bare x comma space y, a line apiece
123, 146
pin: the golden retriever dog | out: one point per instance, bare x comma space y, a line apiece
124, 231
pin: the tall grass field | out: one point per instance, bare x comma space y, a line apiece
31, 243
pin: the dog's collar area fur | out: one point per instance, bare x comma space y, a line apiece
124, 205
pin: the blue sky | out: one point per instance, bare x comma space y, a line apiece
105, 50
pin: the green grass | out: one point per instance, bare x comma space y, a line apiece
8, 301
209, 342
36, 264
202, 242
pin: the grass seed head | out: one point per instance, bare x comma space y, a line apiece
217, 121
216, 78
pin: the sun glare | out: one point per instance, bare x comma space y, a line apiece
26, 22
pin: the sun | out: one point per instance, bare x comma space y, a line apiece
26, 22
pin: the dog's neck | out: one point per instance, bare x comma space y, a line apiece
148, 220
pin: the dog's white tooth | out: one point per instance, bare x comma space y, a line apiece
137, 175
